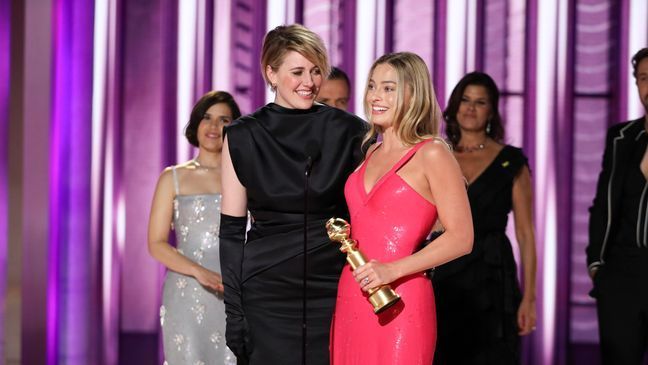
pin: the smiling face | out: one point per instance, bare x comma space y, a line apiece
474, 109
210, 129
297, 81
382, 95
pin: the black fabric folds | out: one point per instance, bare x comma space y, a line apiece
269, 151
232, 240
478, 294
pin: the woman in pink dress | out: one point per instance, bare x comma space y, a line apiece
406, 183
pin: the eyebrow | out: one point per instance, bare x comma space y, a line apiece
219, 116
301, 68
383, 82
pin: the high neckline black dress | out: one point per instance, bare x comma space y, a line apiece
268, 150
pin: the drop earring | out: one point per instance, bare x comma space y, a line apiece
488, 127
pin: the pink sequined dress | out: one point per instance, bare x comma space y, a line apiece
388, 222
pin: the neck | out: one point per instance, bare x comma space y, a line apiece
472, 138
208, 159
391, 140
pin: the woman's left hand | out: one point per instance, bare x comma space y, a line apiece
526, 317
374, 274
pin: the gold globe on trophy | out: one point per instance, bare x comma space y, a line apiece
339, 230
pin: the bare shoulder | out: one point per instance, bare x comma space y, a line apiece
189, 165
437, 151
166, 177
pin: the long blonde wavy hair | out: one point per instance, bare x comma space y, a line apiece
420, 119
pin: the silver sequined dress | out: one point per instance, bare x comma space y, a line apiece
193, 317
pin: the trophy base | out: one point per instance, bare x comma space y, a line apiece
383, 298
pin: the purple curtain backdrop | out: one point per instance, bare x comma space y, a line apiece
248, 29
85, 259
5, 52
142, 145
36, 86
70, 289
592, 97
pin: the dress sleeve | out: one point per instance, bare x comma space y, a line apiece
237, 142
516, 160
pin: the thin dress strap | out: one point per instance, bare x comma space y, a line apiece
175, 180
409, 154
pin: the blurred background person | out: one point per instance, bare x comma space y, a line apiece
481, 311
335, 90
187, 199
265, 159
617, 254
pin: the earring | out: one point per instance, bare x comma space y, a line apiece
488, 127
273, 87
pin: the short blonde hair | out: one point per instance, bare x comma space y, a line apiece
294, 37
419, 119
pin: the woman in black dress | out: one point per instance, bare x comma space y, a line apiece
265, 158
480, 309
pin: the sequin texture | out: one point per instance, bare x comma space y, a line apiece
193, 318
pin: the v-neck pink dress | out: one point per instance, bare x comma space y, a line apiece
389, 222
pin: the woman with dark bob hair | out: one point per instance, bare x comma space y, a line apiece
187, 198
481, 311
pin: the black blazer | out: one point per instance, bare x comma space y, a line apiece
604, 213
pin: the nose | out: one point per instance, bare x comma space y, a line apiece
307, 80
373, 95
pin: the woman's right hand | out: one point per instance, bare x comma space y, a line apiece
209, 279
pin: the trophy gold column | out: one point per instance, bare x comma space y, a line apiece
339, 230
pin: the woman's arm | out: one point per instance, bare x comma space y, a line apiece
234, 202
232, 241
524, 231
448, 190
158, 234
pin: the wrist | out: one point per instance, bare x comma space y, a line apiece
529, 298
396, 270
194, 270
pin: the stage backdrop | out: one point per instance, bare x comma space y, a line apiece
94, 96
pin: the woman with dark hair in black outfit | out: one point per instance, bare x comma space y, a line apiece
480, 310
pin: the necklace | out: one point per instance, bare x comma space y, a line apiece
201, 166
469, 149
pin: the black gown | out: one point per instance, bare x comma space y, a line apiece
478, 295
268, 151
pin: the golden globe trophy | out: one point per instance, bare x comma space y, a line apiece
339, 230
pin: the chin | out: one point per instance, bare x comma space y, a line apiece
380, 122
303, 104
212, 147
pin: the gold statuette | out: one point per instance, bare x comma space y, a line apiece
339, 230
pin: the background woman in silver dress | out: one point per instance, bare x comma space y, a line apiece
187, 198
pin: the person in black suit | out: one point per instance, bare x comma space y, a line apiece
617, 253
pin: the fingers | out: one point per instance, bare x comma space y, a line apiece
370, 275
526, 324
